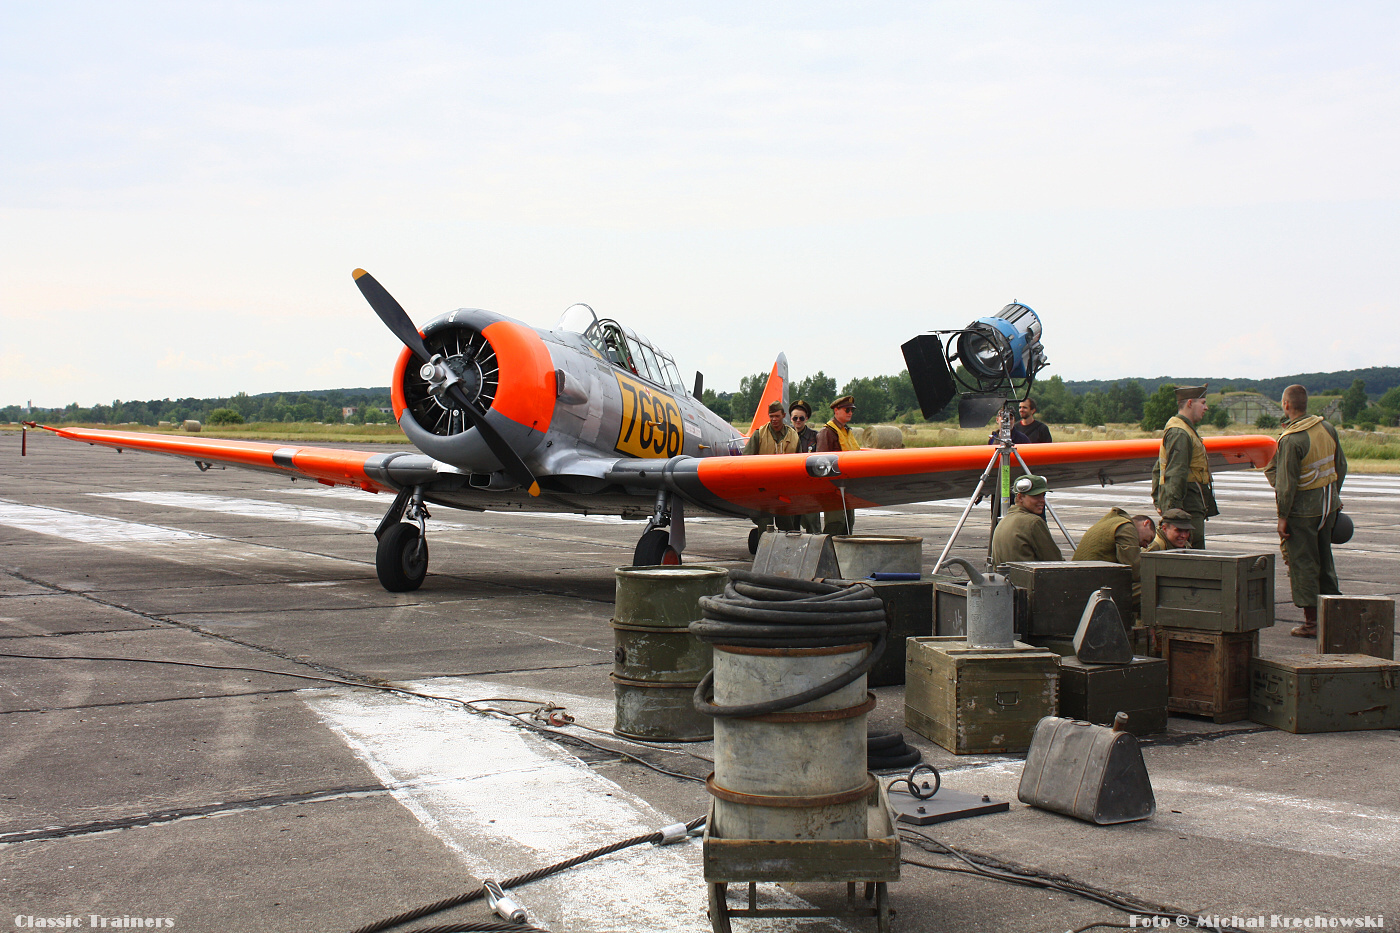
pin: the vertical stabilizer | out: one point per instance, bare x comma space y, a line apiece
774, 390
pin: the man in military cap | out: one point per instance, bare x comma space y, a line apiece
775, 437
1307, 472
1022, 533
1181, 479
1119, 539
1174, 532
835, 436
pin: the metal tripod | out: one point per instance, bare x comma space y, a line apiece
1000, 463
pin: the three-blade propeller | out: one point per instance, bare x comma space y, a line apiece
397, 320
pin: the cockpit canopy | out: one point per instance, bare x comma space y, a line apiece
623, 347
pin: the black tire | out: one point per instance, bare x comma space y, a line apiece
754, 535
399, 561
654, 549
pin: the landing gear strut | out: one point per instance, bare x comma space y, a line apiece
401, 559
658, 545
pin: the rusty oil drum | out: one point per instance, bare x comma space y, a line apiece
657, 663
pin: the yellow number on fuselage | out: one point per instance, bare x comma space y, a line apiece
651, 421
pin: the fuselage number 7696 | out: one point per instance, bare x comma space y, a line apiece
651, 421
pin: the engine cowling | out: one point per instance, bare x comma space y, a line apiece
505, 368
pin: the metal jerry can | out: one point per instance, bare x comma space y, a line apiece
1086, 771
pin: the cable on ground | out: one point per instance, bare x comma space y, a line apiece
478, 892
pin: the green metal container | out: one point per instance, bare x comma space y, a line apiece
1325, 693
657, 663
1097, 692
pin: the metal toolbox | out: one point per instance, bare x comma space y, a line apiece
1208, 591
978, 700
1356, 625
1208, 672
909, 612
1058, 590
1096, 692
1325, 693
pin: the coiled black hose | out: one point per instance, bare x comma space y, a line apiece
763, 611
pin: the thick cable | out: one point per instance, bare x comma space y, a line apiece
478, 892
765, 611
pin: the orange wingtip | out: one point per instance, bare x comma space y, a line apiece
534, 489
359, 272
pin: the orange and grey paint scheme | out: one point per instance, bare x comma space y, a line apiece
597, 419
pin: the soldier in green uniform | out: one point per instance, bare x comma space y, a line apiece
1307, 472
1174, 532
775, 437
1181, 479
1022, 533
1119, 539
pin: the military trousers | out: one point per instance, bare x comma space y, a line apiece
1308, 553
1198, 530
810, 522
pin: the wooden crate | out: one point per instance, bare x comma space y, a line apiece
1325, 693
1208, 591
1059, 589
1356, 625
1208, 672
978, 700
1096, 692
909, 613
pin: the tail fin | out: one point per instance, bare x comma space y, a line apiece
774, 390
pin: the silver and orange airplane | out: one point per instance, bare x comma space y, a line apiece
590, 418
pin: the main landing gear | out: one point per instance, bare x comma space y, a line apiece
401, 559
664, 538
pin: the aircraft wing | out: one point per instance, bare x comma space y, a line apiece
332, 466
791, 484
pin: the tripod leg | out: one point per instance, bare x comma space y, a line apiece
1064, 531
976, 494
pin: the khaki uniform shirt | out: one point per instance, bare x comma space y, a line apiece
1181, 479
765, 441
1022, 535
1113, 538
1308, 469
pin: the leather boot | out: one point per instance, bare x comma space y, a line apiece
1309, 627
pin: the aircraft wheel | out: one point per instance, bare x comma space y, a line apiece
754, 535
655, 548
399, 561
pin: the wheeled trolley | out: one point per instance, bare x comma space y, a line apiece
872, 861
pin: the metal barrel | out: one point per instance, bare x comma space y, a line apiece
657, 663
861, 555
799, 773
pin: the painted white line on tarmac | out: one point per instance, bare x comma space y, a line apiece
509, 802
86, 529
249, 508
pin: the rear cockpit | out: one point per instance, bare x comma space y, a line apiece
623, 347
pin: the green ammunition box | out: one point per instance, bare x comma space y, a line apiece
1325, 693
1208, 672
1208, 591
909, 612
1096, 692
1058, 590
1356, 625
977, 701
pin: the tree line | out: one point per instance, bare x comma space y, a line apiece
878, 399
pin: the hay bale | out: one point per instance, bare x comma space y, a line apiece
191, 425
883, 437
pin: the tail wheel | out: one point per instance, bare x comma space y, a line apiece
401, 560
655, 549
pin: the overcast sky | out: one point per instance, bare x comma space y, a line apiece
1176, 188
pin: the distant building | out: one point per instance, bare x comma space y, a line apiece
348, 411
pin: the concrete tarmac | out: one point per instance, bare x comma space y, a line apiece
200, 734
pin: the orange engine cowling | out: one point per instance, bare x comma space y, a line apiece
505, 368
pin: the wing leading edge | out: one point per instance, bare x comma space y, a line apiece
372, 472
